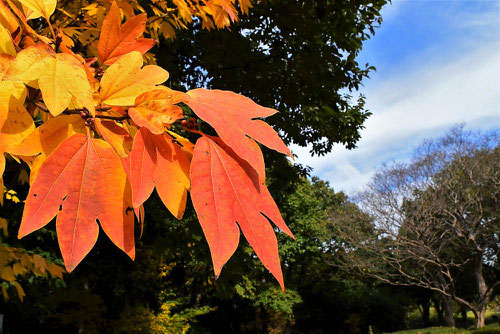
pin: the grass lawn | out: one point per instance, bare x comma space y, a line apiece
488, 329
492, 326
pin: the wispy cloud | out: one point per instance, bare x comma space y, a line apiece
423, 99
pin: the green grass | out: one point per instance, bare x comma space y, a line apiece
415, 319
488, 329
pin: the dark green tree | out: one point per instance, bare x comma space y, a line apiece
296, 56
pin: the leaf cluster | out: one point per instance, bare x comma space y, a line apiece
101, 133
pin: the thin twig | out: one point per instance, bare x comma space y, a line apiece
78, 111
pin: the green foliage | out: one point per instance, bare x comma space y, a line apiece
142, 320
297, 56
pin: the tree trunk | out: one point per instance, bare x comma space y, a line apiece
463, 311
426, 312
480, 316
439, 309
263, 319
448, 312
482, 290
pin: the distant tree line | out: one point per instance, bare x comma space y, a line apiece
433, 222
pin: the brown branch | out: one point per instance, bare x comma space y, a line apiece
78, 111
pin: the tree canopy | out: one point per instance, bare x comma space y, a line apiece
297, 56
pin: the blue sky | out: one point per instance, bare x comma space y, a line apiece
438, 64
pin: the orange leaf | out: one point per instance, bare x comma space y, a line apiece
43, 140
157, 107
115, 41
7, 18
5, 61
84, 176
156, 160
116, 136
233, 116
227, 193
185, 144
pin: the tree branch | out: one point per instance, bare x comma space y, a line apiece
78, 111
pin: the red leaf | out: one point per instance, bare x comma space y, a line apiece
85, 177
227, 193
116, 41
233, 116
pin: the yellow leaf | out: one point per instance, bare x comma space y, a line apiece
4, 292
26, 260
7, 274
3, 225
245, 5
19, 289
19, 269
64, 81
40, 263
14, 127
11, 93
2, 168
124, 80
56, 271
45, 138
6, 44
167, 30
43, 8
29, 65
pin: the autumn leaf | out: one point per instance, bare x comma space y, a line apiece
19, 290
43, 140
64, 81
115, 41
15, 121
84, 176
11, 94
28, 65
156, 160
61, 77
157, 107
125, 80
234, 117
5, 62
117, 136
7, 18
7, 274
40, 8
226, 194
6, 44
185, 144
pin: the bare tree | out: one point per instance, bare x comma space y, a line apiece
434, 221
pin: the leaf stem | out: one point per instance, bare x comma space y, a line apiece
78, 111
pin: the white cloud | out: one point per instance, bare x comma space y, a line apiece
413, 105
